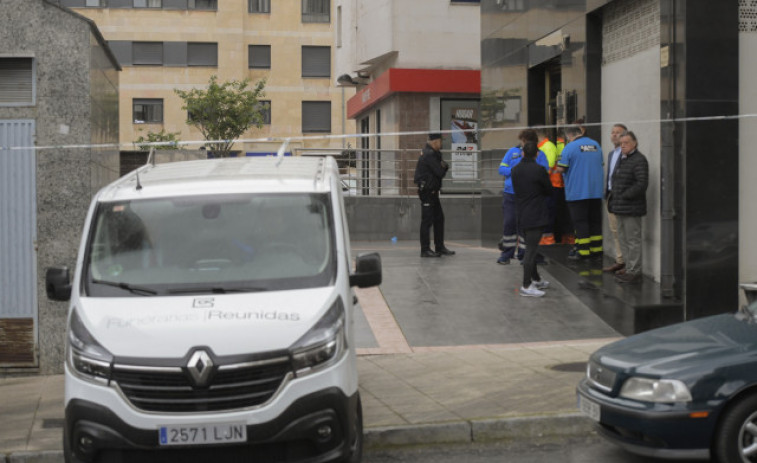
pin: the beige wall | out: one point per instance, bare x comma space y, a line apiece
233, 28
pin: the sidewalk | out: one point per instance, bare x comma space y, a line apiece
447, 352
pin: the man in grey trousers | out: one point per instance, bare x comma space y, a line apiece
628, 201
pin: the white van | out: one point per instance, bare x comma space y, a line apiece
211, 316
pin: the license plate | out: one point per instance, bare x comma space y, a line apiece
200, 434
589, 408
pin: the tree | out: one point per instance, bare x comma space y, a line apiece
223, 112
157, 137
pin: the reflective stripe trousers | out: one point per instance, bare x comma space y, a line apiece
587, 219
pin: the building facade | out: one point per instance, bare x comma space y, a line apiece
58, 90
179, 44
416, 68
676, 73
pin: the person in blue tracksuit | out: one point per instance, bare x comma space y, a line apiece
581, 164
512, 238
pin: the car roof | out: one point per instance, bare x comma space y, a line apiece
226, 175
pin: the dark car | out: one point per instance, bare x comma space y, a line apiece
684, 391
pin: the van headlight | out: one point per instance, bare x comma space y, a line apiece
323, 344
655, 390
86, 357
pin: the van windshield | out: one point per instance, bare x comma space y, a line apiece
210, 244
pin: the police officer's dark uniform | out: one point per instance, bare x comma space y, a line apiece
428, 176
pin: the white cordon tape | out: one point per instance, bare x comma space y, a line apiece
364, 135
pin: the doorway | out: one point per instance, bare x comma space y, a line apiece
544, 90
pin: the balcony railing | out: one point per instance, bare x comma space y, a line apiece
390, 172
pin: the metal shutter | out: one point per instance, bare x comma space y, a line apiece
174, 4
316, 116
260, 6
202, 54
316, 61
122, 51
150, 53
16, 81
175, 54
203, 5
259, 56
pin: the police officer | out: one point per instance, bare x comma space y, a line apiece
428, 176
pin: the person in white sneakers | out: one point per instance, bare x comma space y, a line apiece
532, 188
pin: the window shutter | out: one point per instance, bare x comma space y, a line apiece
16, 81
316, 116
259, 56
260, 6
202, 54
122, 49
150, 53
316, 61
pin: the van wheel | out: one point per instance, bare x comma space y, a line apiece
68, 456
736, 436
355, 454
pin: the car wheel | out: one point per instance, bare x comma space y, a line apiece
355, 454
736, 436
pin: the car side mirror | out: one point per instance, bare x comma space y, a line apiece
58, 283
367, 271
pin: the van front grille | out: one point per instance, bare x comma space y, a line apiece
171, 389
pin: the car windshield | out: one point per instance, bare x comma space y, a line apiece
210, 244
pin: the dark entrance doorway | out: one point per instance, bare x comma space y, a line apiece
544, 86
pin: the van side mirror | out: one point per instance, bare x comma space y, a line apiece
58, 283
367, 271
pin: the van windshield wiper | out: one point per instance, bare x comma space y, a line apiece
218, 290
132, 288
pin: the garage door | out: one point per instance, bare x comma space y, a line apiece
18, 235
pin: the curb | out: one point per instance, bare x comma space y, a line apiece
461, 432
44, 456
502, 429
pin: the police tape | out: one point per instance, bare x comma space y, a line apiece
290, 138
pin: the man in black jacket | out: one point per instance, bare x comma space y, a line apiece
628, 201
428, 176
532, 188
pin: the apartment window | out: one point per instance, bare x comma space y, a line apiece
316, 116
94, 3
16, 81
147, 53
316, 61
202, 54
316, 11
148, 111
202, 5
259, 6
259, 56
265, 108
148, 3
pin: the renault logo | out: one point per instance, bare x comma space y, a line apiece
200, 366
